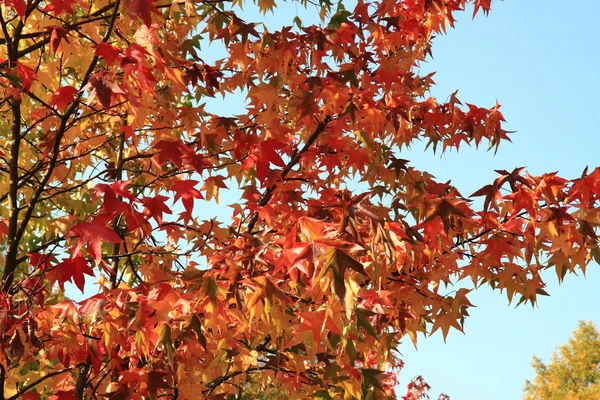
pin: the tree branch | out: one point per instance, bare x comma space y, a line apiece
268, 194
37, 382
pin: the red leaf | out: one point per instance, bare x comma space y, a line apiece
109, 52
27, 75
31, 396
268, 150
20, 7
101, 85
185, 191
111, 201
37, 260
63, 395
144, 10
71, 269
129, 133
93, 234
485, 5
211, 79
155, 207
313, 321
134, 54
170, 150
57, 34
62, 97
3, 227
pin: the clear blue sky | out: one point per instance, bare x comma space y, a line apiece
540, 59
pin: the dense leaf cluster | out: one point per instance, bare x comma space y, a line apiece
109, 160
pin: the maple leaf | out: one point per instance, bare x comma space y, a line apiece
266, 5
338, 261
39, 260
170, 150
268, 151
101, 85
193, 73
27, 75
212, 185
107, 51
512, 178
20, 7
144, 10
110, 194
63, 395
313, 321
485, 5
211, 77
3, 227
186, 191
155, 207
93, 234
57, 35
156, 380
71, 269
191, 390
31, 396
62, 97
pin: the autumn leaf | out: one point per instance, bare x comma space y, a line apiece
164, 338
112, 196
186, 191
31, 396
3, 227
57, 35
102, 86
268, 150
71, 269
338, 261
155, 207
484, 5
170, 150
62, 97
27, 75
212, 185
92, 234
107, 51
144, 10
20, 7
155, 381
266, 5
63, 395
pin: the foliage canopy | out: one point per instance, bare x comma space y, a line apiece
108, 159
574, 371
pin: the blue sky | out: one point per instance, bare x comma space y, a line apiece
539, 59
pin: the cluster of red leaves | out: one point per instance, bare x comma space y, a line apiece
309, 284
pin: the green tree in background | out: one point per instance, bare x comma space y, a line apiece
573, 373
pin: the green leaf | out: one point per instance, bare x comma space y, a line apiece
338, 19
370, 377
351, 350
338, 261
322, 395
298, 22
164, 337
362, 321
